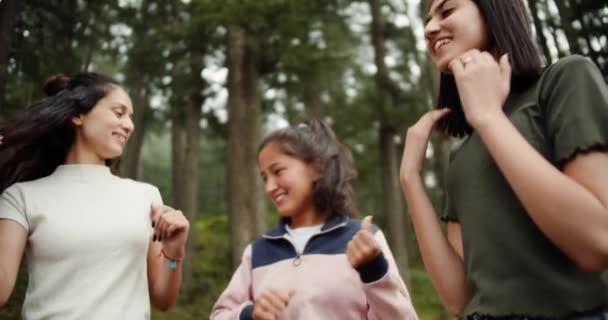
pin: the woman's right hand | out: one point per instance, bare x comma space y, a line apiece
416, 141
270, 304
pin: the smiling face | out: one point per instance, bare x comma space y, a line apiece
452, 28
103, 132
288, 182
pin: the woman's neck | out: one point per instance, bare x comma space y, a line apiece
79, 156
306, 219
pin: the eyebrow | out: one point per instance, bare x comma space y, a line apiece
270, 167
438, 8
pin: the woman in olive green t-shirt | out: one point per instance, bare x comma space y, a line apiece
527, 216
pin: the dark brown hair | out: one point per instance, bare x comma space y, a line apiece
508, 32
316, 144
37, 141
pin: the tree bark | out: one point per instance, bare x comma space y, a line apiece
538, 25
191, 162
396, 222
565, 14
178, 126
130, 162
246, 216
312, 98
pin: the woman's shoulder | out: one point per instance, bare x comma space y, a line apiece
570, 64
30, 185
573, 71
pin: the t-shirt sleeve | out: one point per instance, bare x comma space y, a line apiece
448, 214
12, 206
575, 101
156, 198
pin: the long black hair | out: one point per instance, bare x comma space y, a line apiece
38, 140
316, 144
508, 31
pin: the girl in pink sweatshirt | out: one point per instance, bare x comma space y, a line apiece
318, 262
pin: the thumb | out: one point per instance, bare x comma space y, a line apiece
505, 68
153, 209
291, 293
366, 224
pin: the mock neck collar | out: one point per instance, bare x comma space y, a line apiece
84, 172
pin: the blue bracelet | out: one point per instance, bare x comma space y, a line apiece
171, 262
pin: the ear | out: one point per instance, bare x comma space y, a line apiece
78, 120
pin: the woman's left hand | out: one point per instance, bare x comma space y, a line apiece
362, 248
171, 229
483, 85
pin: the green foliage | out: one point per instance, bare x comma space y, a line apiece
12, 309
56, 37
425, 299
212, 271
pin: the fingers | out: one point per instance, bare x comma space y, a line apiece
271, 303
363, 247
457, 67
156, 211
505, 68
458, 64
166, 222
437, 114
157, 223
429, 119
504, 63
366, 224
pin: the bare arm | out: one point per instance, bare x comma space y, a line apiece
163, 281
570, 207
13, 238
443, 262
171, 233
442, 256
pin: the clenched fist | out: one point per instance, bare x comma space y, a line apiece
270, 304
362, 248
171, 229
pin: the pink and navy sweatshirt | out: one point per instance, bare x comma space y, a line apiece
325, 285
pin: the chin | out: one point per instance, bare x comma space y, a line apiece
112, 154
443, 65
285, 213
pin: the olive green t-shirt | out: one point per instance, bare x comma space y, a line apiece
511, 266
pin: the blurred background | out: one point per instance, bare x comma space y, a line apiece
208, 78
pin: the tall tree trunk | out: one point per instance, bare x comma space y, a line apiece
8, 13
538, 25
312, 97
129, 166
246, 217
565, 13
396, 224
191, 161
393, 203
554, 26
178, 127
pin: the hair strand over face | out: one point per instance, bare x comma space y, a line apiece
39, 138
